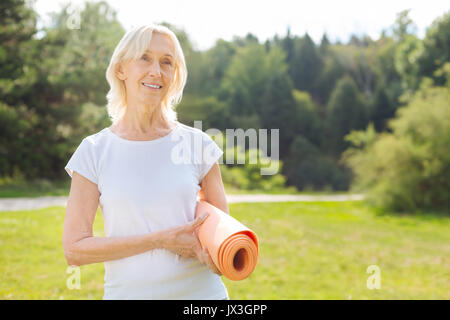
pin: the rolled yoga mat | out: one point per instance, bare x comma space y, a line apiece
232, 246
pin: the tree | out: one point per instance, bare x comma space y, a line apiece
308, 123
407, 169
288, 45
17, 77
333, 69
381, 110
386, 75
305, 66
16, 48
211, 66
212, 112
243, 85
77, 59
406, 58
306, 168
346, 111
437, 53
278, 110
65, 77
324, 45
403, 26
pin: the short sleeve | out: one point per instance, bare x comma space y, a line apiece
211, 153
83, 161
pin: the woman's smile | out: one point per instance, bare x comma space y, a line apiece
152, 87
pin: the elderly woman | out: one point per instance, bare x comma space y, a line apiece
147, 196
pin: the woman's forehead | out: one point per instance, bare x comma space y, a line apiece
161, 45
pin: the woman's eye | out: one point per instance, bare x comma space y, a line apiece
145, 58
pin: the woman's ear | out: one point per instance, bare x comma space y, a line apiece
120, 72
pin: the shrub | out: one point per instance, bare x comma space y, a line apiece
407, 169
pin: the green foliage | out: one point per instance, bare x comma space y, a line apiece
406, 61
249, 175
212, 112
42, 103
333, 69
209, 68
403, 26
386, 75
308, 123
346, 112
381, 109
77, 58
437, 53
53, 87
15, 128
244, 81
408, 169
16, 39
305, 64
355, 61
92, 119
277, 109
308, 169
17, 76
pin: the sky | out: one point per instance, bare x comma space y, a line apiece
205, 21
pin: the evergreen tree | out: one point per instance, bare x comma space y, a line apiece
437, 53
324, 44
307, 168
278, 109
306, 65
346, 111
381, 109
17, 76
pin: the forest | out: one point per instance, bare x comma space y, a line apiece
370, 115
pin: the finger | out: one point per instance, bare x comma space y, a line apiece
198, 221
200, 255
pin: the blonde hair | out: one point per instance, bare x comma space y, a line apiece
132, 45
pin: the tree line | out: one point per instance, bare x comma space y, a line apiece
332, 102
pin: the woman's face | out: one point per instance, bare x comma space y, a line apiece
154, 67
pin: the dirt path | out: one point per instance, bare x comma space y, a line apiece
15, 204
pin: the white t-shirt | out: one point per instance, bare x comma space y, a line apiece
147, 186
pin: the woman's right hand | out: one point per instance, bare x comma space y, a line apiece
183, 240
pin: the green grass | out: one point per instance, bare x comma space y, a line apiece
314, 250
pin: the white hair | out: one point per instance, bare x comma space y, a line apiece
132, 45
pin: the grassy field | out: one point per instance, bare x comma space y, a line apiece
314, 250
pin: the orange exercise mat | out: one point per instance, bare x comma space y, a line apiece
232, 246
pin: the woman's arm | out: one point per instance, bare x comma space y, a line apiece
81, 247
212, 189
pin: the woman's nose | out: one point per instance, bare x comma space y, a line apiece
154, 69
